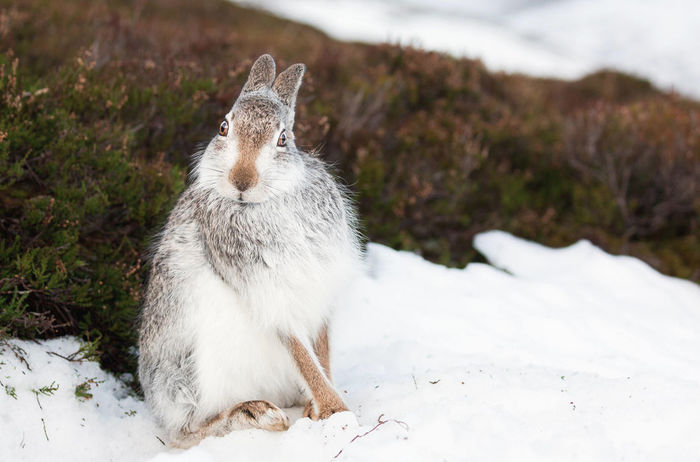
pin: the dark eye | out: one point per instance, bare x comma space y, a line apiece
223, 128
282, 140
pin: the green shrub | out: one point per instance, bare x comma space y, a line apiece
78, 208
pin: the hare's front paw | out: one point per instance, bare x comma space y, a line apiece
324, 411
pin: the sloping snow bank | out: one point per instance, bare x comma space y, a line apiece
656, 39
549, 354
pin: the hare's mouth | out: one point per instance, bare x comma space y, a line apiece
238, 199
241, 200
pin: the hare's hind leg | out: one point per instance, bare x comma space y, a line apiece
248, 414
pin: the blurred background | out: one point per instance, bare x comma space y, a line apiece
552, 120
654, 39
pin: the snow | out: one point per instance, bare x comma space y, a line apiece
656, 39
109, 426
543, 354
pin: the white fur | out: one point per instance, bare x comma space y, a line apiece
238, 352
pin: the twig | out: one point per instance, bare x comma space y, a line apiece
380, 422
44, 424
14, 349
82, 354
67, 358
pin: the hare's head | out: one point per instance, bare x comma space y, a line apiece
253, 157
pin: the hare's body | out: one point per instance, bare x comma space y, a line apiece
241, 291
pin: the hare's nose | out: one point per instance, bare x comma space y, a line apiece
243, 177
242, 184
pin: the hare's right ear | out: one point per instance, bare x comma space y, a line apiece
287, 86
262, 74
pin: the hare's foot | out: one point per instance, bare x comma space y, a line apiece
259, 414
324, 411
248, 414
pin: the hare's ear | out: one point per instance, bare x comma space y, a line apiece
287, 84
262, 74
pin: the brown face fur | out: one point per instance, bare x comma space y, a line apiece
255, 121
266, 104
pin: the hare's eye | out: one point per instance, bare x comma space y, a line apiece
282, 140
223, 128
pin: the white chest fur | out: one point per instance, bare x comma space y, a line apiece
238, 352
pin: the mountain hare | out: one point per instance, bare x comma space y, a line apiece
243, 276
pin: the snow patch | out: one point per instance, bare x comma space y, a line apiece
655, 39
544, 354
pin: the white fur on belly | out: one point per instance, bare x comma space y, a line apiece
238, 352
236, 358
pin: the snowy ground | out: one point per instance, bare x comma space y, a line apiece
566, 354
657, 39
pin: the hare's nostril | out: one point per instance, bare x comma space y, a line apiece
242, 185
243, 178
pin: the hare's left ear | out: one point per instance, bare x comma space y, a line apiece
287, 85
